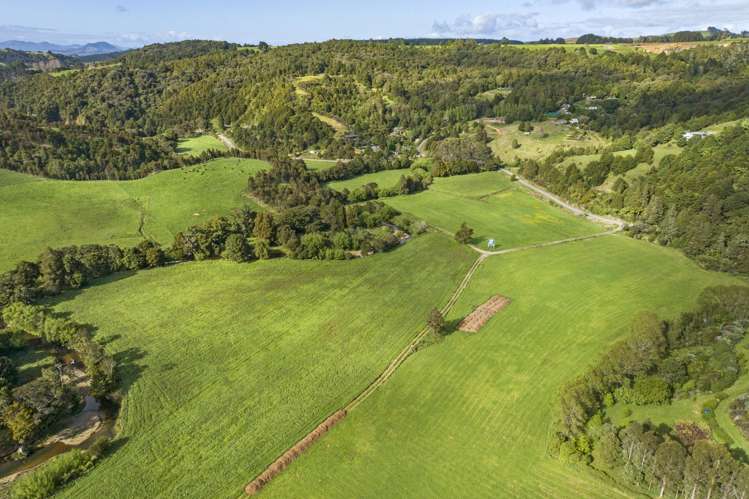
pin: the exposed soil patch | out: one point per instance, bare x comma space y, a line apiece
476, 320
689, 433
290, 455
667, 47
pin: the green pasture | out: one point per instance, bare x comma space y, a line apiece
320, 164
541, 142
659, 152
473, 415
224, 365
336, 124
495, 208
39, 213
197, 145
384, 179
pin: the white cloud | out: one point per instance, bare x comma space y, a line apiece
488, 25
569, 18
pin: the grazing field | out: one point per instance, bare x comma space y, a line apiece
227, 365
302, 81
659, 152
319, 164
198, 145
495, 208
541, 142
471, 416
38, 212
383, 179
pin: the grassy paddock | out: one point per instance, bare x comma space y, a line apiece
38, 213
197, 145
659, 152
227, 365
472, 416
320, 164
383, 179
495, 208
534, 145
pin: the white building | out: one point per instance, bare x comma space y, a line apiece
701, 135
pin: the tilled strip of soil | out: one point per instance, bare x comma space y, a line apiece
476, 320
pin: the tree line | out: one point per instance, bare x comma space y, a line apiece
695, 201
660, 362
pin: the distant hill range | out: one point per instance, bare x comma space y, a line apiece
710, 34
89, 49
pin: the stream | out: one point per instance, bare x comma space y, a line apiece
10, 470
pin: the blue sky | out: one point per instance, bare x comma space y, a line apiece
137, 22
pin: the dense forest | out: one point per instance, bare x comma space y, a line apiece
388, 96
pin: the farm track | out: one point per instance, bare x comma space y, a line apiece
540, 191
227, 141
483, 255
411, 347
546, 244
305, 441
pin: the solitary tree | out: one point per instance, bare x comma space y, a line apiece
464, 234
436, 321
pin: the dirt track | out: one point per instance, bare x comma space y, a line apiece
604, 220
227, 141
293, 452
275, 468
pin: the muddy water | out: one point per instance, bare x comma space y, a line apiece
11, 469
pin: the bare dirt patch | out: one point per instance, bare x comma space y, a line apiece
476, 320
666, 47
689, 433
290, 455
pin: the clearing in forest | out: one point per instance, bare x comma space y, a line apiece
337, 125
472, 416
496, 208
659, 152
197, 145
539, 143
38, 213
384, 179
320, 164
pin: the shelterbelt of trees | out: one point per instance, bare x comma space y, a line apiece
387, 95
